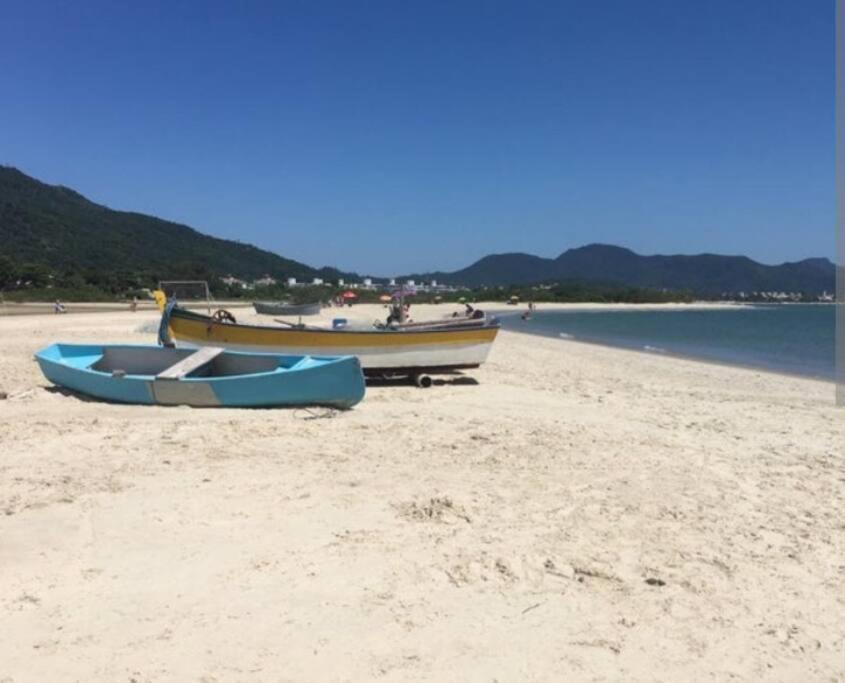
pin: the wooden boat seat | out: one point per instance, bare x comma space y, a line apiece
193, 362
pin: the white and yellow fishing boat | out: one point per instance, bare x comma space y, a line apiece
440, 346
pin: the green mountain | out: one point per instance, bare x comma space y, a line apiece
59, 229
706, 274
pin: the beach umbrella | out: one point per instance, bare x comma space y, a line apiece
398, 294
349, 294
384, 297
462, 300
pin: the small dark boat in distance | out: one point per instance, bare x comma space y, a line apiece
284, 308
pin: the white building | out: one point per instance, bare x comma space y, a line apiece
291, 282
265, 281
368, 282
317, 281
340, 282
392, 282
433, 284
411, 283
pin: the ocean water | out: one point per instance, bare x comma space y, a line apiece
795, 338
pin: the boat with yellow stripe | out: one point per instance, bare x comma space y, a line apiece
440, 346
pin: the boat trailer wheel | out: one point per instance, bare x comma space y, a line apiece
422, 381
417, 379
221, 315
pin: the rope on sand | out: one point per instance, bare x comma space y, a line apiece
19, 394
316, 414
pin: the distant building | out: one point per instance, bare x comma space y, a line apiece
291, 282
392, 282
434, 284
317, 281
340, 282
232, 281
368, 282
265, 281
411, 283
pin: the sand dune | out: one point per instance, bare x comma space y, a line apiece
580, 512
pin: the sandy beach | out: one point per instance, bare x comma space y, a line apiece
566, 512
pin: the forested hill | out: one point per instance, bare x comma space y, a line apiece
54, 227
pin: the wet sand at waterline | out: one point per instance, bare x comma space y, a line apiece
580, 513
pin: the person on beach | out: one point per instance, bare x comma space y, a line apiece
399, 313
59, 307
133, 306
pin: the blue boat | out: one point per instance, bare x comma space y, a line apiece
203, 377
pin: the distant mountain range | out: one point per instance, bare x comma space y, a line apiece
606, 264
59, 228
62, 230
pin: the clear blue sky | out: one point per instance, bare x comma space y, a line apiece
390, 137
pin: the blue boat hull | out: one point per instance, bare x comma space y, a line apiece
275, 380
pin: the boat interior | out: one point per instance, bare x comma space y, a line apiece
171, 363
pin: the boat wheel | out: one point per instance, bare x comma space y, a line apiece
422, 381
221, 315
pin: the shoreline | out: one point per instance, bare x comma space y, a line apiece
497, 307
679, 356
14, 308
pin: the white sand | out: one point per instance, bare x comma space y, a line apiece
499, 531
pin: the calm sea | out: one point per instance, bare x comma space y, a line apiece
795, 338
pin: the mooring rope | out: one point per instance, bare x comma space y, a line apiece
316, 414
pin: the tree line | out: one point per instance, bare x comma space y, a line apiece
37, 282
